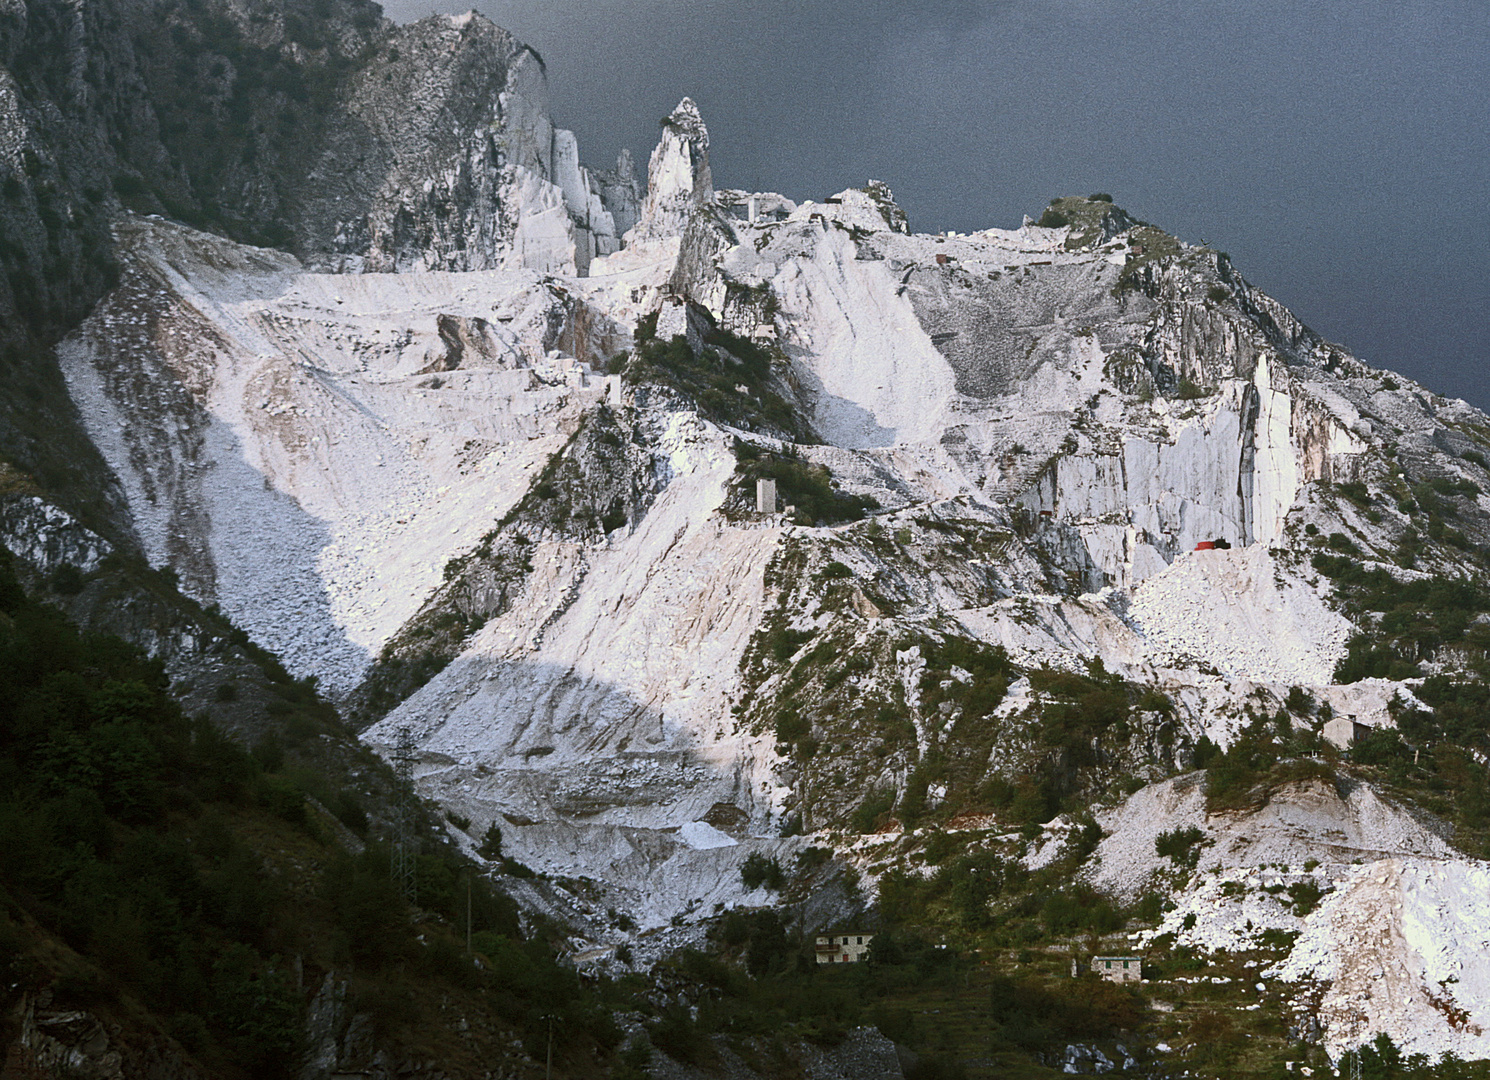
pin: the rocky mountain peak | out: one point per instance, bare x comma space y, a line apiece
871, 208
878, 192
689, 122
678, 176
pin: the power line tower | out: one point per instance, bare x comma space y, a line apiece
405, 844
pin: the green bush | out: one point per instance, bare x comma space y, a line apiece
1367, 659
1029, 1015
1080, 908
806, 486
791, 726
66, 580
810, 858
713, 378
1180, 846
98, 768
491, 842
1304, 896
257, 1009
1079, 708
678, 1035
1349, 573
369, 909
783, 642
1338, 541
939, 845
758, 870
634, 1062
867, 814
282, 796
973, 881
1299, 701
1255, 764
1381, 747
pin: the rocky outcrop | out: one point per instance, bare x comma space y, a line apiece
679, 181
47, 538
356, 143
353, 141
338, 1039
340, 405
1172, 411
1396, 949
587, 712
56, 1041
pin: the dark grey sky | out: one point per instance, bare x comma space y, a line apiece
1338, 149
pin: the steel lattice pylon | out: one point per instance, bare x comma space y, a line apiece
405, 846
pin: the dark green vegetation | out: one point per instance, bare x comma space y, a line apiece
161, 874
1434, 759
759, 990
1032, 1014
800, 484
1268, 753
235, 100
1093, 220
971, 968
759, 870
1424, 619
1416, 619
820, 671
1080, 739
730, 378
1380, 1059
1180, 846
1428, 762
267, 101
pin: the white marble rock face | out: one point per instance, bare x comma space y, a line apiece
332, 449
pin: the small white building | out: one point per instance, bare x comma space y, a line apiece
1117, 968
765, 496
1344, 732
843, 948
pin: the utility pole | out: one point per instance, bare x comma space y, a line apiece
468, 913
404, 853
